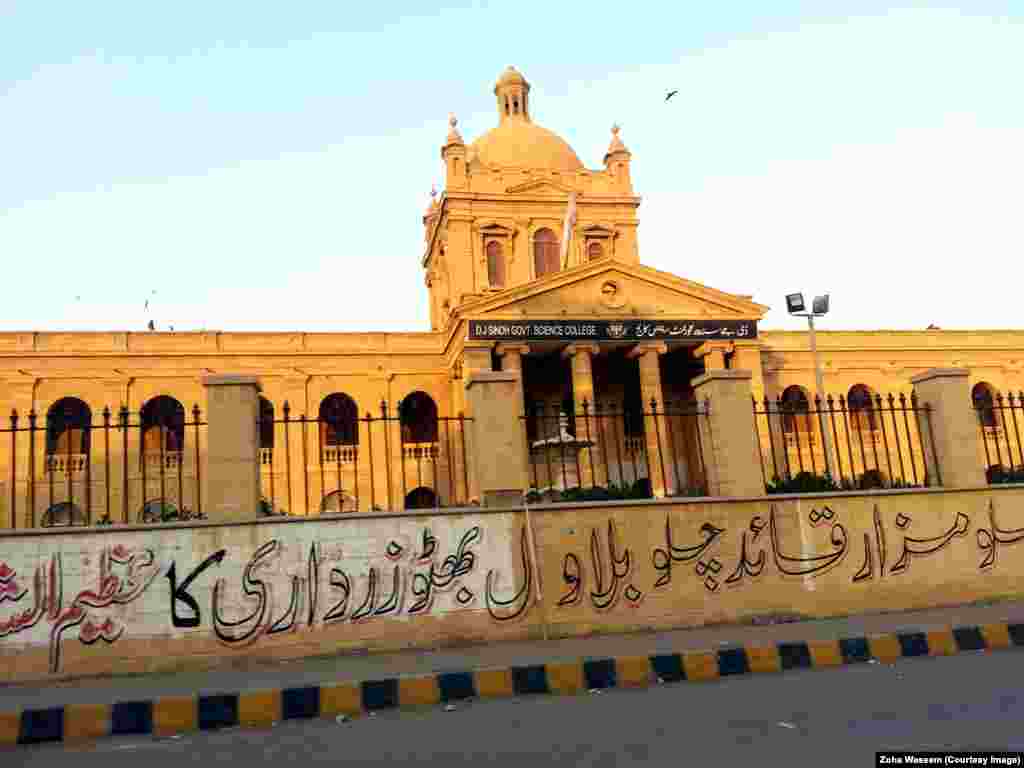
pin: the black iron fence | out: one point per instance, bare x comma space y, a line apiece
609, 450
342, 462
1000, 435
126, 468
875, 443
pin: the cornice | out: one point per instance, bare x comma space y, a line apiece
590, 199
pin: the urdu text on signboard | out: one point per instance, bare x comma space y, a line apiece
612, 330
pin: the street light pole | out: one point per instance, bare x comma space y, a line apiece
819, 380
819, 308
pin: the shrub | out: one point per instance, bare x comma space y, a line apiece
872, 478
641, 489
999, 475
803, 482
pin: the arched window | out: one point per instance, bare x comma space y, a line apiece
495, 265
266, 424
163, 421
860, 402
983, 396
417, 414
796, 410
335, 502
595, 250
545, 252
68, 425
339, 421
62, 515
421, 498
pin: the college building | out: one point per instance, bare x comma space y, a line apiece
532, 263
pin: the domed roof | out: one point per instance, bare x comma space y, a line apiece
520, 144
511, 75
517, 142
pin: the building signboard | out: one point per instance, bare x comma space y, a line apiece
612, 330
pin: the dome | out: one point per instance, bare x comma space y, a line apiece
520, 144
517, 142
510, 76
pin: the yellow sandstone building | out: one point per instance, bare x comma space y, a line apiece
532, 263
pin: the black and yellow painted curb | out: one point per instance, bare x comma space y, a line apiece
167, 716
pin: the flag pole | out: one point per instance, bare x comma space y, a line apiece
570, 221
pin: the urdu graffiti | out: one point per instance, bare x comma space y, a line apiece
760, 545
284, 586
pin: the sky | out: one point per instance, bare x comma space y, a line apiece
265, 166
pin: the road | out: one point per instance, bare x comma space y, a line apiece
836, 717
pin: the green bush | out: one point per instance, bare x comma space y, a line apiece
871, 479
641, 489
999, 475
803, 482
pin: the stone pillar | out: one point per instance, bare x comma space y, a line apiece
580, 364
949, 434
659, 460
747, 357
476, 359
731, 457
231, 477
512, 361
499, 473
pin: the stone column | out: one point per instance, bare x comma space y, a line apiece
580, 364
747, 357
231, 480
731, 457
499, 473
949, 434
659, 460
512, 361
476, 359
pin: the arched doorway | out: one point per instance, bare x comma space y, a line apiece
421, 498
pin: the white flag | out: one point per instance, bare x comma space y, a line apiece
570, 222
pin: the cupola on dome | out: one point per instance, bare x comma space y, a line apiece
517, 142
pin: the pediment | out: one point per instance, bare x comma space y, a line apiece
614, 290
539, 186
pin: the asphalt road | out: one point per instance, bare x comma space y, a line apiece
836, 717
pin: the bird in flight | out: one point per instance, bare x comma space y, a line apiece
671, 94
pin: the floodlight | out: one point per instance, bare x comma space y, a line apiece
820, 305
795, 303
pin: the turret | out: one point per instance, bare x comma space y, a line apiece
616, 162
512, 93
454, 154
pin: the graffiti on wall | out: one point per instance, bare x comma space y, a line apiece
761, 544
278, 591
311, 576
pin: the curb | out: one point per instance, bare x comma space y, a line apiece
169, 716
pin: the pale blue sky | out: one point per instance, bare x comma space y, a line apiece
264, 166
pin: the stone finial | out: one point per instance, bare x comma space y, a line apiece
616, 145
454, 137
